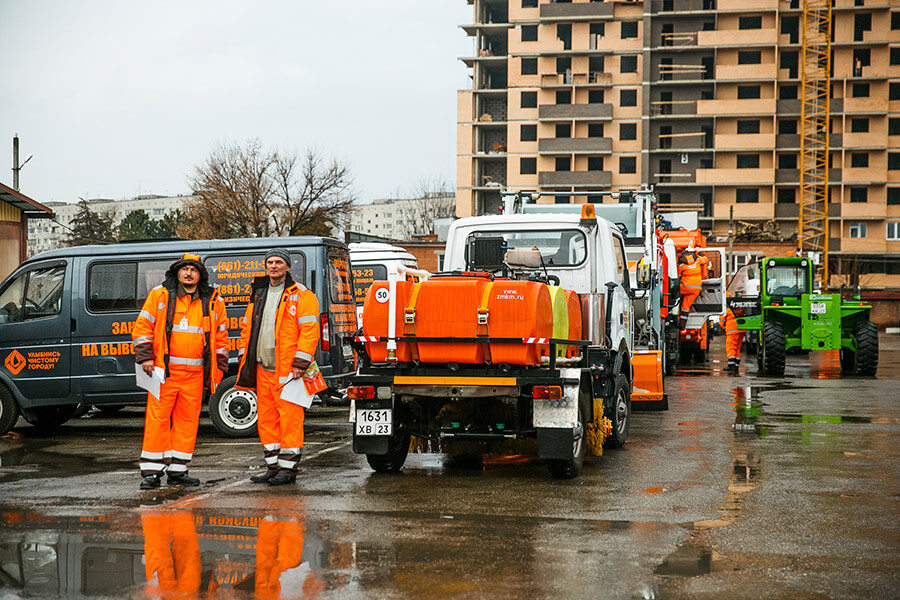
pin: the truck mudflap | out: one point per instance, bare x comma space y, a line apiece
647, 385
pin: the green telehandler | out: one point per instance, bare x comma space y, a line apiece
786, 314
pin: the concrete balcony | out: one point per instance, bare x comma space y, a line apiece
793, 107
740, 73
743, 141
735, 176
864, 140
745, 5
865, 105
551, 112
787, 140
864, 175
575, 145
586, 10
576, 178
787, 176
739, 37
764, 106
861, 210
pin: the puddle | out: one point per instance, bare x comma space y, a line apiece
39, 463
690, 560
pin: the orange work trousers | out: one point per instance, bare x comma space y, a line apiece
171, 553
279, 422
733, 343
170, 423
688, 295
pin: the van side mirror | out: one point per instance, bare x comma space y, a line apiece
644, 275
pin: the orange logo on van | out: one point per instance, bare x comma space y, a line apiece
15, 362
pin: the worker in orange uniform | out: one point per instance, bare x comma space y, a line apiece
734, 337
183, 329
690, 274
171, 553
279, 336
279, 549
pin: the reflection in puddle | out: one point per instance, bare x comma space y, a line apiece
690, 560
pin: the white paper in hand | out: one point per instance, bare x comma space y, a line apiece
295, 392
150, 383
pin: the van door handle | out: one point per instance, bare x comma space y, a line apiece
621, 318
74, 325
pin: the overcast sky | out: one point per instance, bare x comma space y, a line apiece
118, 98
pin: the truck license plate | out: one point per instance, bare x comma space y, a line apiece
374, 422
817, 308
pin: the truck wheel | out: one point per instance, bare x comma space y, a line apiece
866, 333
48, 418
773, 349
621, 414
233, 411
9, 410
568, 468
392, 462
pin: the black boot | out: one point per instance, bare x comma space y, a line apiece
264, 477
182, 479
151, 482
283, 477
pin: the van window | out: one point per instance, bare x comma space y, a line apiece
35, 294
339, 267
363, 277
124, 285
233, 274
621, 263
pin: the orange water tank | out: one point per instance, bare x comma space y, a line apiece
574, 304
375, 319
520, 309
448, 307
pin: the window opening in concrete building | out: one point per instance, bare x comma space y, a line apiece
529, 33
529, 66
595, 130
708, 139
706, 199
893, 161
895, 21
595, 163
628, 98
748, 126
628, 64
665, 137
791, 26
787, 161
627, 164
665, 167
894, 91
892, 230
859, 125
859, 160
788, 60
529, 100
706, 163
895, 56
563, 130
787, 92
529, 3
751, 22
894, 126
597, 30
893, 196
595, 97
564, 97
748, 92
665, 69
628, 131
862, 22
667, 30
596, 66
709, 26
787, 127
709, 4
858, 230
787, 196
528, 133
706, 95
629, 29
563, 163
709, 67
749, 57
665, 103
665, 198
564, 34
668, 6
527, 166
564, 66
859, 194
747, 161
746, 195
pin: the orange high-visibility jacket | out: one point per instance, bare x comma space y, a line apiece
728, 321
184, 345
296, 330
691, 275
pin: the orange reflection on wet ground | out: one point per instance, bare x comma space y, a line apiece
654, 490
825, 364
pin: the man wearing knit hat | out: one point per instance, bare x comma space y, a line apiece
183, 329
279, 337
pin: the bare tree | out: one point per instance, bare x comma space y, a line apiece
246, 191
432, 198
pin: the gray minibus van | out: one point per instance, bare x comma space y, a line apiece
66, 318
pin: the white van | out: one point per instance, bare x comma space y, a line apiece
373, 261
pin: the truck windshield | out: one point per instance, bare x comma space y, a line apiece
786, 280
565, 248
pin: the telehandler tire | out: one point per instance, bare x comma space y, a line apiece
773, 349
866, 333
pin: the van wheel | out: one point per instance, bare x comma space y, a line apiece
233, 411
9, 410
621, 413
48, 418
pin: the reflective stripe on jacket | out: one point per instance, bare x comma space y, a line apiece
296, 330
691, 275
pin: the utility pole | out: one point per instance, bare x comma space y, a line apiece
16, 166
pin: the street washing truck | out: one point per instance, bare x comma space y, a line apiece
525, 344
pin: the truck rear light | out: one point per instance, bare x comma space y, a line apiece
326, 332
361, 392
547, 392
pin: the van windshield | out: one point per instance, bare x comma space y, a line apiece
566, 248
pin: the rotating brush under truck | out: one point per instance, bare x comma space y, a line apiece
788, 315
525, 344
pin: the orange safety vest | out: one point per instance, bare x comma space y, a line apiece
691, 275
180, 342
728, 322
296, 330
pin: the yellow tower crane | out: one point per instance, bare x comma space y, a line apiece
815, 116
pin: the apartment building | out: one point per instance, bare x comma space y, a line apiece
698, 98
49, 234
403, 218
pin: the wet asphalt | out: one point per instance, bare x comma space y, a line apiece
747, 487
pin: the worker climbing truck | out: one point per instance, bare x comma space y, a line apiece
525, 342
790, 314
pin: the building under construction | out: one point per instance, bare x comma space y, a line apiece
706, 100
